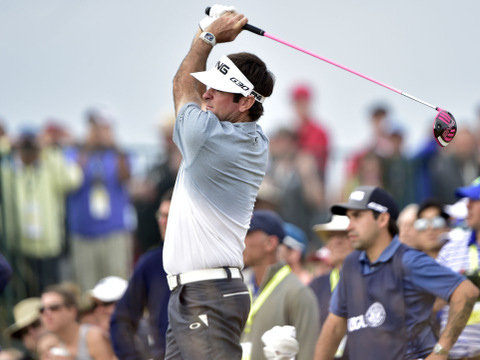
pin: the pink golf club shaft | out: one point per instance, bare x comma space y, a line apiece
347, 69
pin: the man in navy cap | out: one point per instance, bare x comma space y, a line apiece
279, 297
386, 290
461, 254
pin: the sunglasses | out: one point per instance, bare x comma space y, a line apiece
22, 332
436, 223
51, 308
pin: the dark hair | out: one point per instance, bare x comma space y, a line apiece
392, 224
68, 296
256, 71
432, 203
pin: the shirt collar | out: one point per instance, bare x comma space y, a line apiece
385, 255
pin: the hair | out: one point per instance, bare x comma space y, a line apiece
256, 71
68, 296
432, 203
392, 223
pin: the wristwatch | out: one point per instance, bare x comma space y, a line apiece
439, 350
209, 38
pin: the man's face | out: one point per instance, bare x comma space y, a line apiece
473, 217
430, 225
363, 229
53, 312
221, 104
256, 243
340, 245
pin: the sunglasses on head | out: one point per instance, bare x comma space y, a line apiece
436, 223
51, 308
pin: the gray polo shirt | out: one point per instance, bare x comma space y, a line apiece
217, 183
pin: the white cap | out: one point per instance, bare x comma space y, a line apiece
226, 76
109, 289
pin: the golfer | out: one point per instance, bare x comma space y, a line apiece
224, 155
386, 291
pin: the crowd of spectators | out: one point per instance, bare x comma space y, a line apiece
72, 210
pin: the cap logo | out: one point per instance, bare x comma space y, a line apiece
357, 195
377, 207
223, 68
239, 83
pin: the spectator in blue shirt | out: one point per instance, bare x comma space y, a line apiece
147, 289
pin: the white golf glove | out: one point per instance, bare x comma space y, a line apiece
280, 343
215, 12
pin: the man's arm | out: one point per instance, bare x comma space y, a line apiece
185, 87
333, 330
461, 304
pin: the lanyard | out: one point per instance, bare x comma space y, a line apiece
473, 254
267, 290
334, 278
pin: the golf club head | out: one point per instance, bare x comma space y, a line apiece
444, 128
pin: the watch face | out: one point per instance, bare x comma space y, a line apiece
209, 37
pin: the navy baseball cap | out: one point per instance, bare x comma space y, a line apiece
368, 198
471, 191
269, 222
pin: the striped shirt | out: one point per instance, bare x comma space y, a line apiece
456, 255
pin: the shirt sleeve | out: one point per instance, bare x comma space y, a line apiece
424, 274
192, 128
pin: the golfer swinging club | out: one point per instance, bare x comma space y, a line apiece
224, 155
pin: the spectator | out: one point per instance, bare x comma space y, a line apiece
335, 235
27, 327
462, 254
432, 227
311, 135
278, 296
406, 232
148, 192
59, 312
35, 184
292, 250
147, 290
457, 166
99, 212
386, 291
292, 172
105, 295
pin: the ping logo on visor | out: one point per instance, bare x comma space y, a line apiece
225, 76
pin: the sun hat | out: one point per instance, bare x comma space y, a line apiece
25, 313
337, 223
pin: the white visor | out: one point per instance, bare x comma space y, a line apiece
225, 76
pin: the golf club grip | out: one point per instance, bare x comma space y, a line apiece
247, 27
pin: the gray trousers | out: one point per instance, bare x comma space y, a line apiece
206, 320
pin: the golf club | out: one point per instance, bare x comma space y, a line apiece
444, 125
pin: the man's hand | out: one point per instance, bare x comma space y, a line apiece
227, 27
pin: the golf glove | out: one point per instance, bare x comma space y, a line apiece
215, 12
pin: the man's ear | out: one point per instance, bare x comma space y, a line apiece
272, 242
246, 103
383, 219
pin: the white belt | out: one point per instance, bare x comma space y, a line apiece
202, 275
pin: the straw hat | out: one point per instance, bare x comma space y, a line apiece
338, 223
25, 313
